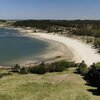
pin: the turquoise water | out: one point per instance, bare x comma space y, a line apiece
15, 48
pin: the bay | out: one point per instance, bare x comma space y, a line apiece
14, 48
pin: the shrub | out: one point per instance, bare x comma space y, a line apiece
16, 68
4, 74
57, 66
60, 66
93, 76
82, 69
23, 71
38, 70
97, 43
1, 75
51, 68
64, 63
97, 65
42, 68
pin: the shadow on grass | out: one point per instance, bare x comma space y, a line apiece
5, 74
88, 83
94, 92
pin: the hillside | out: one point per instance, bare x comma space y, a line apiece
51, 86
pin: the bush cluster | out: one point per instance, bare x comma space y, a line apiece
44, 68
91, 74
38, 70
5, 74
94, 76
82, 68
81, 27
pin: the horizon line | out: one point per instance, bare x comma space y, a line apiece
49, 19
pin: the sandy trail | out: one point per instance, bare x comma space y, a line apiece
80, 50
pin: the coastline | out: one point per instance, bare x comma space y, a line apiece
79, 50
76, 49
55, 52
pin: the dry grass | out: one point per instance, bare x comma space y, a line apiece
51, 86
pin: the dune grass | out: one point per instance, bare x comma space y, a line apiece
51, 86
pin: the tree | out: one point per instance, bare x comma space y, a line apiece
23, 70
16, 68
93, 76
39, 70
58, 66
82, 69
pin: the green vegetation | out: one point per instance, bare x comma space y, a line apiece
97, 43
50, 86
63, 83
78, 27
94, 76
60, 66
38, 83
82, 68
23, 70
91, 75
16, 68
90, 28
2, 21
38, 70
44, 68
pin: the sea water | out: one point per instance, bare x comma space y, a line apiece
15, 48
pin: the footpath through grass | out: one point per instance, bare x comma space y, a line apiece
50, 86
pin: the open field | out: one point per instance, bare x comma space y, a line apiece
51, 86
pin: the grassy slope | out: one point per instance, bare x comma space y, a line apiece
51, 86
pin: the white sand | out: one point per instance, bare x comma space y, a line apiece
80, 50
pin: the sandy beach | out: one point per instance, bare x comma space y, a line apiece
66, 48
78, 49
55, 52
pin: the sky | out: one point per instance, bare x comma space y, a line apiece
50, 9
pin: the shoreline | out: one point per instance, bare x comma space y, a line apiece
52, 53
80, 50
57, 51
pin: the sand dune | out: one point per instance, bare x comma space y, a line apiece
80, 50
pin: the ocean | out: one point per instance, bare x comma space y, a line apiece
15, 48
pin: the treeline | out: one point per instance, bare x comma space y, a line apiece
97, 42
2, 20
91, 75
82, 27
43, 24
44, 68
94, 24
76, 27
